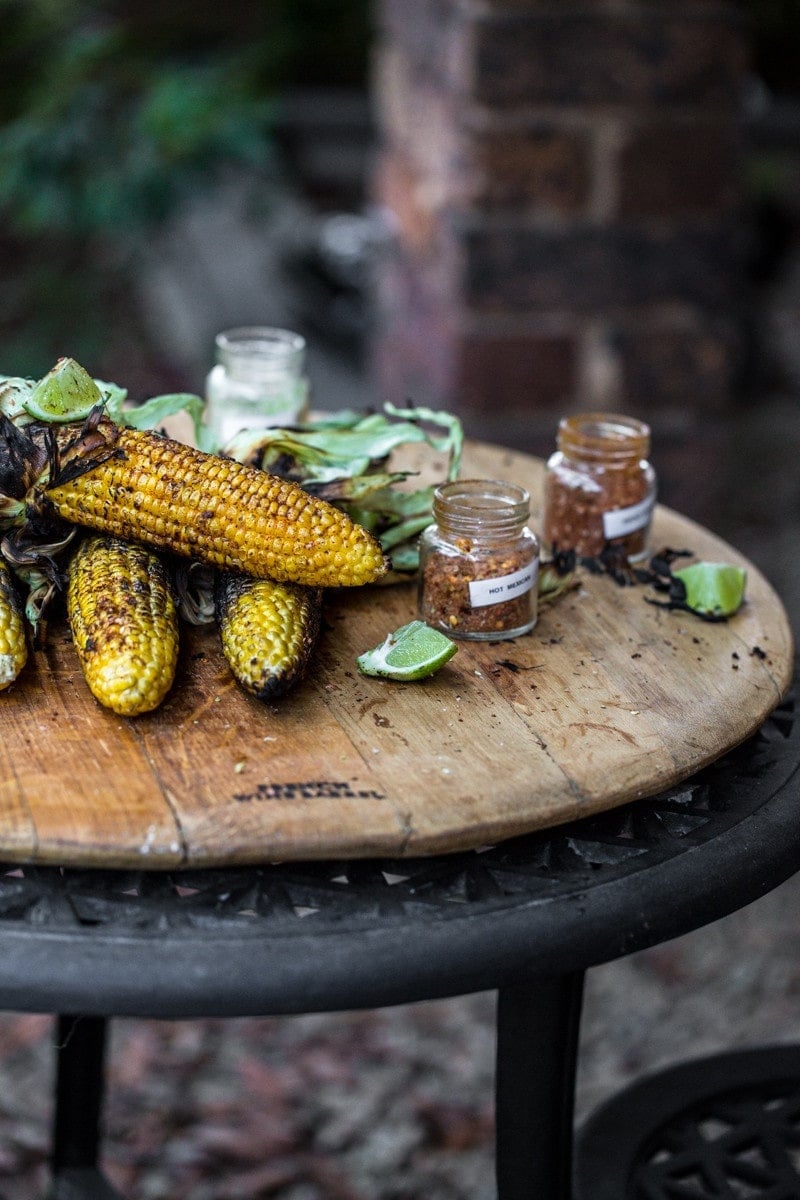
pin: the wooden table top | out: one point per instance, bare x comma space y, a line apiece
607, 700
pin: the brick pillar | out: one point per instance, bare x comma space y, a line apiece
559, 178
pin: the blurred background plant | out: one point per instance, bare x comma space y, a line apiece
111, 117
117, 118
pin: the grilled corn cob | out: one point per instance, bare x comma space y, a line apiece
124, 623
143, 487
13, 641
268, 631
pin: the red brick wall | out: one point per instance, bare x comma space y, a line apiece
560, 179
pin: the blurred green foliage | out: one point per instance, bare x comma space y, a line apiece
110, 115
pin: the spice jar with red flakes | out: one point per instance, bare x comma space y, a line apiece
600, 490
479, 561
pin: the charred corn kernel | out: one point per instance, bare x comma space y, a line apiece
169, 495
13, 642
124, 623
268, 631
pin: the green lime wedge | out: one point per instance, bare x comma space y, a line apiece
411, 652
713, 589
66, 393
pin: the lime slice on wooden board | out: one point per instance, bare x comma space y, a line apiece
66, 393
412, 652
713, 589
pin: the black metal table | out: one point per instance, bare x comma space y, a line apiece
526, 917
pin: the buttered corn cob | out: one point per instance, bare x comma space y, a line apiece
13, 642
124, 623
268, 631
148, 488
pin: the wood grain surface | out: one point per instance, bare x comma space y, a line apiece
608, 699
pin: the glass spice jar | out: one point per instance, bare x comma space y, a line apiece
257, 381
479, 561
600, 490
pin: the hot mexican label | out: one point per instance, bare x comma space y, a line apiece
622, 521
503, 587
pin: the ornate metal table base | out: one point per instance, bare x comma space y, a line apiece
719, 1128
525, 917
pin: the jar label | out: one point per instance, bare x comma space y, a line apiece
621, 521
503, 587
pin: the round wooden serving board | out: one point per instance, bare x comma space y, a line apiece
607, 700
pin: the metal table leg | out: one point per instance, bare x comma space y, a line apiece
79, 1101
537, 1050
537, 1040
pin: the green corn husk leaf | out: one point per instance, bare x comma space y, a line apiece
153, 412
392, 503
553, 583
67, 393
391, 515
320, 452
342, 458
405, 559
193, 583
40, 567
32, 456
114, 398
355, 488
14, 391
406, 531
41, 590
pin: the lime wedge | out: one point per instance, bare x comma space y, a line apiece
66, 393
713, 589
412, 652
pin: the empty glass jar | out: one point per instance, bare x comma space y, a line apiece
258, 381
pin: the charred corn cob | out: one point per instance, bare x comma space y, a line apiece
268, 631
143, 487
13, 641
124, 623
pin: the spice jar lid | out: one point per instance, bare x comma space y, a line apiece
481, 504
601, 435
